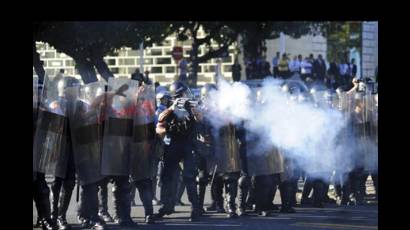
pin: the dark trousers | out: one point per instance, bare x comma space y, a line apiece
41, 196
121, 197
265, 188
146, 194
174, 153
88, 206
103, 196
62, 189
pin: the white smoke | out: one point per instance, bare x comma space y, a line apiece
304, 132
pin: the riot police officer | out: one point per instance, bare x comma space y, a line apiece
177, 125
204, 148
41, 190
62, 187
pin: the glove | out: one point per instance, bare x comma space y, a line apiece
175, 104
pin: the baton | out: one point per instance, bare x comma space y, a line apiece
213, 174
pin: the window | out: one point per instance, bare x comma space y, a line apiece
133, 52
209, 68
110, 61
69, 71
163, 60
69, 63
148, 61
50, 54
50, 72
227, 59
187, 51
166, 42
227, 68
156, 52
55, 63
170, 69
126, 61
122, 70
131, 69
156, 69
114, 70
168, 51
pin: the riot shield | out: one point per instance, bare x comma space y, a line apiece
370, 136
143, 134
35, 103
260, 161
227, 150
86, 126
49, 150
119, 113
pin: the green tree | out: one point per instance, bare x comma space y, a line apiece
220, 32
88, 42
341, 37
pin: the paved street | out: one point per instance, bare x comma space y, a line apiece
330, 217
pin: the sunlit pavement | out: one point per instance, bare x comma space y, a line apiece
330, 217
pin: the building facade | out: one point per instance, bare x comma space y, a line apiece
157, 59
370, 48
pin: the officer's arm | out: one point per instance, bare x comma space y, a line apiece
161, 126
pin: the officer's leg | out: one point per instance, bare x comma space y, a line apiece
261, 194
66, 193
168, 178
250, 201
285, 189
231, 180
347, 188
293, 191
218, 193
244, 184
362, 186
376, 184
88, 208
202, 182
155, 181
307, 188
42, 199
65, 198
103, 200
55, 196
180, 187
122, 203
357, 185
146, 196
189, 173
319, 188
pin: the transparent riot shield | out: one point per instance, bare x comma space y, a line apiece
86, 125
227, 150
49, 150
118, 126
143, 134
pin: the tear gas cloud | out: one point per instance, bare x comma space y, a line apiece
302, 131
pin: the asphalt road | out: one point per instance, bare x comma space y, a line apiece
330, 217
